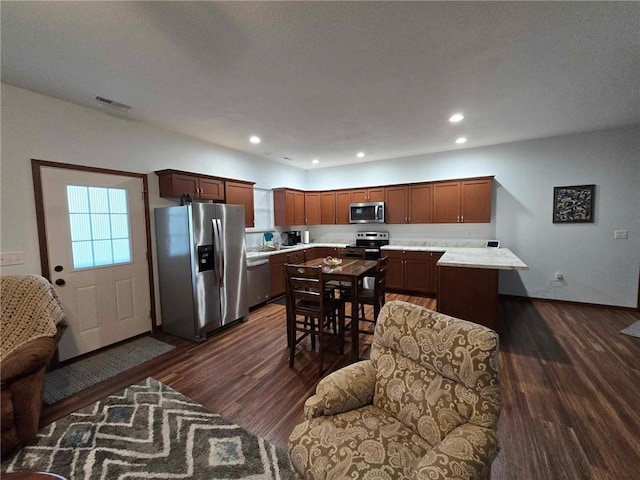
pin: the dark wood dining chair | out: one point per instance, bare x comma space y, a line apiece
311, 312
374, 297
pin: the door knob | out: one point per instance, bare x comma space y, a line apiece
58, 268
60, 282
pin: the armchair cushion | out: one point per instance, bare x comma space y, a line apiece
435, 372
467, 452
366, 443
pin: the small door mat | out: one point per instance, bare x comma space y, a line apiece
75, 377
632, 330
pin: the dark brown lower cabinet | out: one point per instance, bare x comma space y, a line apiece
470, 294
433, 272
313, 253
277, 261
276, 268
411, 271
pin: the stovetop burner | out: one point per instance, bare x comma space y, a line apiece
371, 243
372, 239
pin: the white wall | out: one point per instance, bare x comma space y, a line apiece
597, 268
41, 127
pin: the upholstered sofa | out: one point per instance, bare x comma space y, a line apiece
28, 325
424, 406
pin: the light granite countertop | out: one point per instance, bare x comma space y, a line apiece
454, 256
489, 258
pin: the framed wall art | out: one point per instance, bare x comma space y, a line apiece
573, 204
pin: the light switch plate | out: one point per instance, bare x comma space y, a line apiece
11, 258
621, 234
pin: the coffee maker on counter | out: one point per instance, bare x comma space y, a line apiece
290, 238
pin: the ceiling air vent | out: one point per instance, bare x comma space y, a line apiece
107, 102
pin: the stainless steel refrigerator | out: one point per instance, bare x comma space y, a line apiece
202, 267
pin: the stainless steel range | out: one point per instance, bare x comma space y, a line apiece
370, 242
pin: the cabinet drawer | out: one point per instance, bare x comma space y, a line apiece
405, 255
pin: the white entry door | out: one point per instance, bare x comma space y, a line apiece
97, 252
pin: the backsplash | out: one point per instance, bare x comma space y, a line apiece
255, 240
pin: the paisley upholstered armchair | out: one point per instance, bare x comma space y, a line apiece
425, 406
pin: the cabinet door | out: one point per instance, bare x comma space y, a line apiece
238, 193
395, 272
359, 196
279, 206
420, 204
313, 253
396, 206
377, 194
211, 189
181, 184
298, 218
290, 208
446, 202
475, 198
416, 272
363, 195
312, 208
433, 272
295, 257
343, 198
327, 208
276, 268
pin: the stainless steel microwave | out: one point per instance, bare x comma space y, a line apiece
370, 212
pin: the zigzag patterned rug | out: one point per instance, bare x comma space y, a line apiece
149, 430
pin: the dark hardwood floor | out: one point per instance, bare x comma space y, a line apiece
570, 383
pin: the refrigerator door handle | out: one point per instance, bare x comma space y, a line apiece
217, 245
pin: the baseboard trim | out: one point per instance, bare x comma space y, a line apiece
567, 302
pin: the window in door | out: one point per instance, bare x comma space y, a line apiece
99, 220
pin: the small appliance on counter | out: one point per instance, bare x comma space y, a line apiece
305, 237
291, 238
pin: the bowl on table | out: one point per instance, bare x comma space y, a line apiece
332, 262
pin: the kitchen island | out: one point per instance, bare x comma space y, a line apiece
463, 275
468, 282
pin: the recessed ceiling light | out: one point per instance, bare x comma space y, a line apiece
360, 154
456, 117
315, 161
254, 139
461, 140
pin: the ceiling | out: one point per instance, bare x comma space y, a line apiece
328, 79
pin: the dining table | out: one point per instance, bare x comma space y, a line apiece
352, 271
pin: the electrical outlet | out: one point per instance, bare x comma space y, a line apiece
621, 234
473, 233
11, 258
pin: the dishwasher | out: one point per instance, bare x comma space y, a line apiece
259, 280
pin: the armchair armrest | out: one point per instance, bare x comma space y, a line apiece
465, 454
349, 388
28, 359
